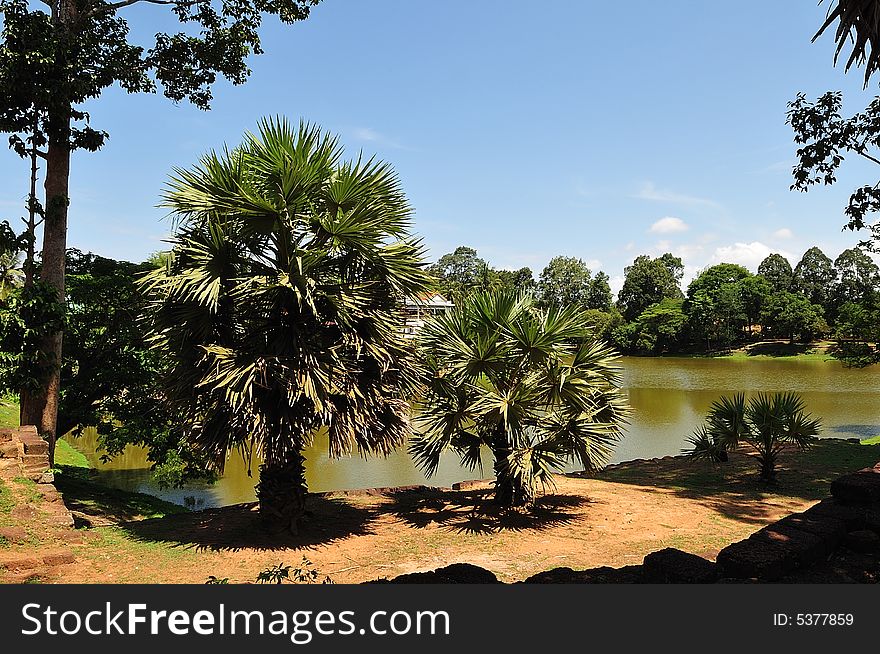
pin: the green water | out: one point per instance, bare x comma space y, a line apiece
670, 397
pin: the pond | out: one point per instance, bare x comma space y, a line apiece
670, 397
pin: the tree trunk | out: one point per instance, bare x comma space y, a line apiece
282, 493
509, 491
41, 409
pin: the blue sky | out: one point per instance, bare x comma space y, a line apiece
526, 130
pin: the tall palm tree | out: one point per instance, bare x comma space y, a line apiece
529, 384
279, 306
768, 423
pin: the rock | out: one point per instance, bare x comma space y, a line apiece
23, 512
9, 450
457, 573
756, 558
15, 535
20, 563
59, 558
863, 541
673, 566
806, 548
631, 574
47, 477
862, 487
36, 447
852, 517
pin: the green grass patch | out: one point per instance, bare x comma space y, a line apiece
6, 499
874, 440
8, 413
67, 455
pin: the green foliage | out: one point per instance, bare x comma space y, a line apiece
527, 383
27, 315
54, 59
279, 309
767, 423
216, 581
777, 271
793, 316
461, 273
306, 573
660, 327
826, 137
649, 281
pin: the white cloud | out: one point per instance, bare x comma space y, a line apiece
745, 254
669, 225
783, 232
370, 135
650, 192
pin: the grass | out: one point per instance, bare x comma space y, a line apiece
8, 413
67, 455
874, 440
807, 475
6, 499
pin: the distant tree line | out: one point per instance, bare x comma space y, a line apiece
726, 305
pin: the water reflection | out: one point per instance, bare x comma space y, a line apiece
670, 397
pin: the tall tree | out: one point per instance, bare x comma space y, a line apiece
649, 281
459, 272
776, 269
279, 309
53, 61
814, 277
858, 277
565, 281
600, 293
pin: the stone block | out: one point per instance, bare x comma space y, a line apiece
852, 516
457, 573
825, 526
862, 487
15, 535
806, 548
673, 566
863, 541
756, 558
38, 446
59, 558
630, 574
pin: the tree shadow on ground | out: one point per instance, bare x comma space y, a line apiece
238, 527
779, 349
474, 512
734, 489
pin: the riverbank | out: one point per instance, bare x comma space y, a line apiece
611, 519
769, 350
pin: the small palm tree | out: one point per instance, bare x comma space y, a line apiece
529, 384
768, 423
278, 308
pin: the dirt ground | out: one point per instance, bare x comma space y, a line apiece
614, 519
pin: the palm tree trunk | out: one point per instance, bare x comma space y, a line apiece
282, 493
509, 491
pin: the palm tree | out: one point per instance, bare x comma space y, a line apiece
858, 24
529, 384
278, 307
768, 423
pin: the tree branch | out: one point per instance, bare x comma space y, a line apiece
868, 156
113, 6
